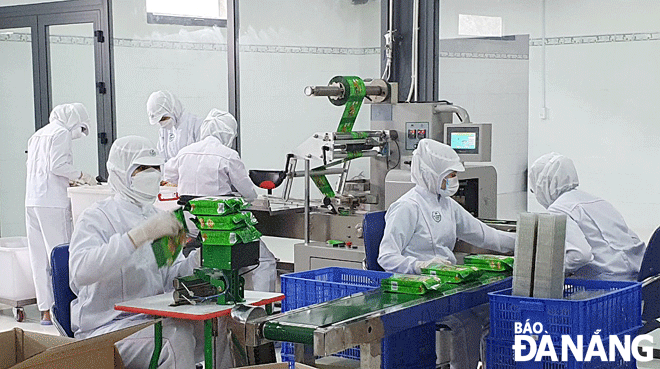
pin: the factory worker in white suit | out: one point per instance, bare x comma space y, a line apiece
111, 261
422, 227
599, 244
178, 128
210, 168
47, 207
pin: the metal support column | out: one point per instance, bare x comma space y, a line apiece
233, 66
429, 40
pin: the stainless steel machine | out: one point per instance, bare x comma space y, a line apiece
395, 130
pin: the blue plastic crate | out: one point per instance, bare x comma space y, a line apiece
321, 285
610, 314
315, 286
500, 356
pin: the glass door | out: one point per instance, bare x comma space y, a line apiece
72, 79
17, 122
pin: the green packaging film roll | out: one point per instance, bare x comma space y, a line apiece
228, 238
490, 262
225, 222
453, 273
216, 205
413, 284
355, 94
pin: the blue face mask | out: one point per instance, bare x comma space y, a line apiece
451, 187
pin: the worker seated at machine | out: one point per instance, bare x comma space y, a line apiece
211, 167
599, 244
422, 228
111, 262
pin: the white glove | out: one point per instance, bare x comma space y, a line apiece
160, 225
87, 179
419, 265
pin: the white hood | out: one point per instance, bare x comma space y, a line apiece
70, 116
432, 161
221, 125
163, 103
126, 154
550, 176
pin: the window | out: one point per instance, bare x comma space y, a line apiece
476, 25
187, 13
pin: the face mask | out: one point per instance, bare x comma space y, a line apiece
167, 123
451, 187
146, 185
78, 132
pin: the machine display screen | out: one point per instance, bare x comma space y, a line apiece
464, 140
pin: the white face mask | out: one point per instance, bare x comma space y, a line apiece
146, 185
451, 187
78, 132
167, 123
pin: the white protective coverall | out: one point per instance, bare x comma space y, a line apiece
599, 244
47, 207
423, 225
106, 268
179, 131
209, 168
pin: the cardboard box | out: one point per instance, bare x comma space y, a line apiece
20, 349
277, 366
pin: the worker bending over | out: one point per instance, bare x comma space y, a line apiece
599, 244
211, 168
47, 208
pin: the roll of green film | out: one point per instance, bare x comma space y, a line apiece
355, 91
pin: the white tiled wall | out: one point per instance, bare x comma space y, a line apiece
601, 95
494, 91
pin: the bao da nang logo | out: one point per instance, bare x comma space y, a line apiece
532, 343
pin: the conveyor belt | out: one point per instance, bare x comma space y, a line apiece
366, 317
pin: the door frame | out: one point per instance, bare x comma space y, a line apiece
38, 17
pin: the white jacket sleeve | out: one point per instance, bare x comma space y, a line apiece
238, 177
160, 145
400, 222
578, 251
94, 251
61, 157
475, 232
171, 170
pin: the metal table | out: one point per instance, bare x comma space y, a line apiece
159, 305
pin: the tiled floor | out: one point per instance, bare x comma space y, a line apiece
31, 322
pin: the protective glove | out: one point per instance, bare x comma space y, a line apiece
160, 225
87, 179
419, 265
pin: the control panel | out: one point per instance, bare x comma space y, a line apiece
415, 131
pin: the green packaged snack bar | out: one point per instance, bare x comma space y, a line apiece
490, 262
225, 222
228, 238
411, 284
490, 277
216, 205
167, 249
453, 273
